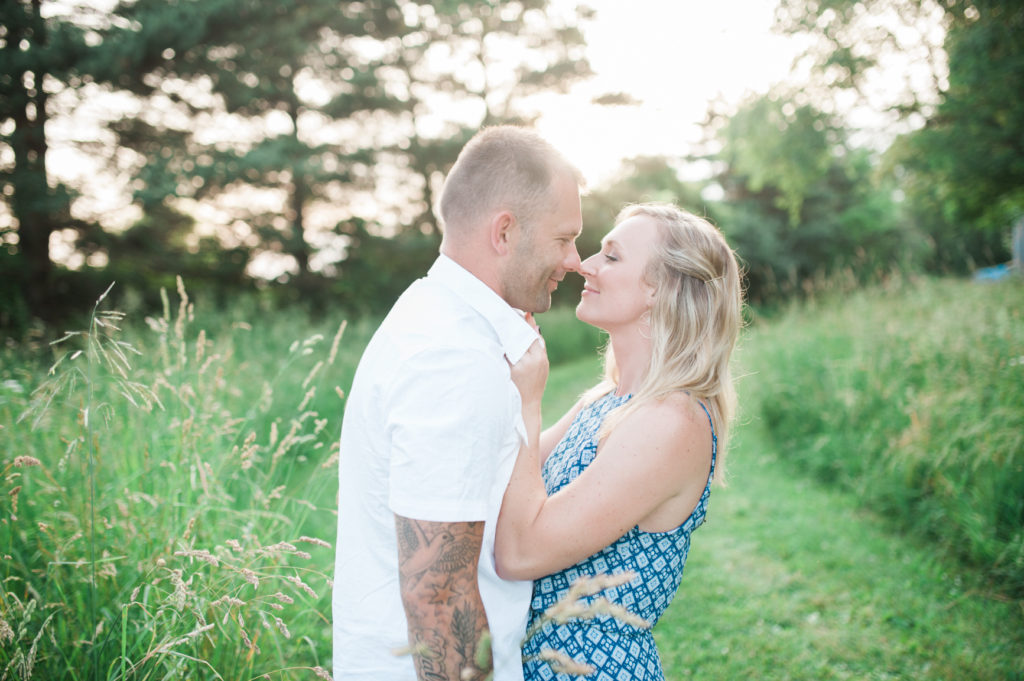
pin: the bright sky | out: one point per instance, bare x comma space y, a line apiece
675, 56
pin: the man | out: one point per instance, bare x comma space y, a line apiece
432, 425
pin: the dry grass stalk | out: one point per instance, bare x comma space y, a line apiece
563, 664
336, 342
314, 540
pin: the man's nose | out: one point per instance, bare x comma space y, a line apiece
572, 261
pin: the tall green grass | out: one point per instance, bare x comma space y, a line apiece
169, 500
912, 397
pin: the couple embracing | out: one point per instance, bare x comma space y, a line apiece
457, 513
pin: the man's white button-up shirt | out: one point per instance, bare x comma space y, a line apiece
431, 430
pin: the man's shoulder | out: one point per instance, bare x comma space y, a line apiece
431, 316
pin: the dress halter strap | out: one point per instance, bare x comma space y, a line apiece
714, 440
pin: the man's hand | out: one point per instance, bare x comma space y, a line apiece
437, 563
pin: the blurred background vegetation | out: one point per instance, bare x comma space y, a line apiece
294, 149
167, 504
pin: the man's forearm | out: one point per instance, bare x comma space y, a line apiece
438, 573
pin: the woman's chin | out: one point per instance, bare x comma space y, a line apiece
581, 314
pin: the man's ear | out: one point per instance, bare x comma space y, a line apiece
504, 231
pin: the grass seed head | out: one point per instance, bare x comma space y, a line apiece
302, 585
6, 633
561, 663
314, 540
250, 577
336, 342
282, 627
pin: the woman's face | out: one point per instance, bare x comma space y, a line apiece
615, 295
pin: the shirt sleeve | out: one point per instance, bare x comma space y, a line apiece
447, 415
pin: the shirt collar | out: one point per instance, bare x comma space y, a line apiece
514, 333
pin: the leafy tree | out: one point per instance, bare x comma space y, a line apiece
463, 65
966, 167
963, 169
52, 56
857, 43
799, 201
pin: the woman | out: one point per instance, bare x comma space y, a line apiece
620, 482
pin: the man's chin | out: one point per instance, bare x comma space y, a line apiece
542, 304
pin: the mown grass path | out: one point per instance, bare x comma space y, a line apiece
790, 580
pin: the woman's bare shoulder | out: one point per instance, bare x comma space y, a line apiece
677, 411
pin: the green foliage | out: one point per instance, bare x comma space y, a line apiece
800, 203
379, 269
777, 144
312, 128
566, 338
962, 171
910, 398
966, 167
348, 84
252, 62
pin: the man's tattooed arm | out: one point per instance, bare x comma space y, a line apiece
437, 565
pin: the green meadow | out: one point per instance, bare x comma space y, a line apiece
167, 508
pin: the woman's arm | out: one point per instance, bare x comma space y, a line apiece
658, 455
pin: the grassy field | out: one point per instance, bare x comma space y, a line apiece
911, 398
168, 500
792, 580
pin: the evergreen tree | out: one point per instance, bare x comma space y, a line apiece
314, 127
353, 114
259, 101
38, 56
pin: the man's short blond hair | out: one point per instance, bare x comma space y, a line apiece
503, 167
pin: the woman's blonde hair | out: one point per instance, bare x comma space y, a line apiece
695, 320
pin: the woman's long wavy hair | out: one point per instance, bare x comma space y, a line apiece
695, 320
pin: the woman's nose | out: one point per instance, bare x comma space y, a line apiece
587, 266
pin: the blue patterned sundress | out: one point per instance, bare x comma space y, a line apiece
617, 651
